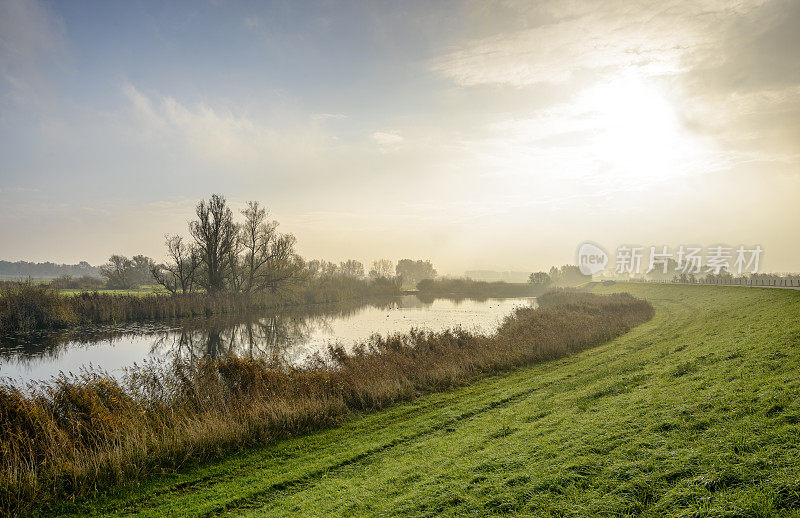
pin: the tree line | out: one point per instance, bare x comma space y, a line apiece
245, 255
567, 275
46, 270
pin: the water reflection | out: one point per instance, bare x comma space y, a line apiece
294, 334
257, 336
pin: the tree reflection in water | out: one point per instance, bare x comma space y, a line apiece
245, 334
270, 335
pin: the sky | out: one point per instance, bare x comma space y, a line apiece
479, 135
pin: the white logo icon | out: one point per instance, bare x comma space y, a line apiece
591, 258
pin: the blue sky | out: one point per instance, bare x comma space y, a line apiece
476, 134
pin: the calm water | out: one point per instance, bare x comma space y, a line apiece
296, 334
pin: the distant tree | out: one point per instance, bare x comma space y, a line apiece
658, 272
22, 269
118, 272
178, 273
412, 271
540, 278
330, 269
322, 268
352, 268
141, 266
314, 267
216, 237
382, 269
568, 275
723, 277
122, 273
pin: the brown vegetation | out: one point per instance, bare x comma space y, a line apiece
25, 306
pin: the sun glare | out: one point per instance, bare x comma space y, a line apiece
638, 134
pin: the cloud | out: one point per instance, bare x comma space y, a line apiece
253, 22
327, 116
212, 134
32, 48
387, 138
653, 38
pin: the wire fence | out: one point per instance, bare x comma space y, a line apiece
777, 282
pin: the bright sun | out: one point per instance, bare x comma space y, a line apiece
637, 132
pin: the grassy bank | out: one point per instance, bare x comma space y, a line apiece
695, 413
75, 435
28, 306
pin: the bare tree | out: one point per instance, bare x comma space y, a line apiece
257, 234
267, 259
215, 235
284, 266
382, 269
352, 268
178, 274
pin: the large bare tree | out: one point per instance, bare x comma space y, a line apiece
216, 238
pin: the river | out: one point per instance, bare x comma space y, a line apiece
295, 333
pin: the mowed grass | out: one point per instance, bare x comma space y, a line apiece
695, 413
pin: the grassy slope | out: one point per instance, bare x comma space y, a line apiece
697, 410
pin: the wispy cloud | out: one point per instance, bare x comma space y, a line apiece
327, 116
253, 22
569, 39
387, 138
213, 134
218, 134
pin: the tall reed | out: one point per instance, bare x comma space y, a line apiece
25, 306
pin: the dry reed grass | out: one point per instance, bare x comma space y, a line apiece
26, 306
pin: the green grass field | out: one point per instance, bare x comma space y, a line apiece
141, 291
696, 413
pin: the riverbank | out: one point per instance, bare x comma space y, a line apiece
28, 306
695, 413
477, 289
80, 434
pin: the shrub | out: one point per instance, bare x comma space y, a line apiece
85, 282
